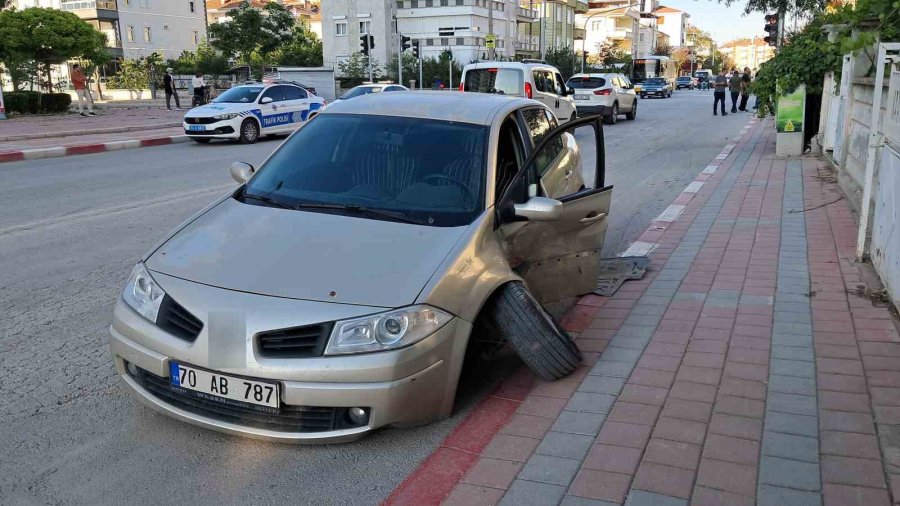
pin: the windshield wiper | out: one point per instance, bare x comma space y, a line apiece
360, 209
268, 200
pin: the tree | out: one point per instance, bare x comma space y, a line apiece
46, 37
356, 68
609, 53
794, 6
563, 58
133, 75
410, 68
680, 55
303, 50
251, 32
663, 49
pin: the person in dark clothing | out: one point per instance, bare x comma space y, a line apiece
745, 89
721, 82
171, 91
734, 84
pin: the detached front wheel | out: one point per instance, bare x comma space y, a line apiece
533, 333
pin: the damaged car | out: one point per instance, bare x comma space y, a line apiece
337, 290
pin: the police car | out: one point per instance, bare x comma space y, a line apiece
248, 111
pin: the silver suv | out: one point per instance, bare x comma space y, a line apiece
608, 95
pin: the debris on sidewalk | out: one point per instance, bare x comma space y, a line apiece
615, 271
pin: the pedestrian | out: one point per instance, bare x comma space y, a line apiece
734, 84
81, 91
171, 91
745, 89
719, 93
199, 86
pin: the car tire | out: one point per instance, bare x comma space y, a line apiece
201, 141
612, 117
630, 115
536, 337
249, 131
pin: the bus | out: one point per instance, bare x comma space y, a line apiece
653, 66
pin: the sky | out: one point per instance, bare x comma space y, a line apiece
723, 23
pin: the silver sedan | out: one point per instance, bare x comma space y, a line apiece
337, 290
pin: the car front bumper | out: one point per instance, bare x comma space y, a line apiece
225, 129
405, 387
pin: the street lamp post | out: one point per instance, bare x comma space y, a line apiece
604, 11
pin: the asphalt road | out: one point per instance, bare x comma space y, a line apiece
71, 229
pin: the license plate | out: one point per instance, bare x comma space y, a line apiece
582, 97
223, 388
198, 128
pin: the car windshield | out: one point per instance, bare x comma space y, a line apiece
684, 78
494, 80
424, 171
239, 95
360, 91
581, 83
656, 80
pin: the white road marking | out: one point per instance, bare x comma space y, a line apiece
710, 169
694, 187
639, 249
671, 213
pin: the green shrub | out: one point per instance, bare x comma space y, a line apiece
55, 102
22, 101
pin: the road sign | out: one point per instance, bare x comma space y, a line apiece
490, 41
790, 111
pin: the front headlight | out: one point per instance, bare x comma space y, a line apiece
221, 117
142, 293
385, 331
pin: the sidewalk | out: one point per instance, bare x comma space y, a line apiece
42, 136
741, 370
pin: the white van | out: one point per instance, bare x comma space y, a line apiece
538, 81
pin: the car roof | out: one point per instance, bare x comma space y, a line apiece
476, 108
507, 65
603, 75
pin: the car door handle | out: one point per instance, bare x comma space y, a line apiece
594, 216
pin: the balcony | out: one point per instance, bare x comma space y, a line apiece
526, 14
91, 9
579, 33
581, 6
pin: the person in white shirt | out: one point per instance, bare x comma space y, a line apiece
199, 86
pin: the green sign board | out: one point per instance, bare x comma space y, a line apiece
789, 114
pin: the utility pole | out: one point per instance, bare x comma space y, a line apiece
400, 59
491, 27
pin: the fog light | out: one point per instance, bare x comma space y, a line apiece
132, 369
358, 416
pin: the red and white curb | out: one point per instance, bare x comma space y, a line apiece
432, 481
84, 149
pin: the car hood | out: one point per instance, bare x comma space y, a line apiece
216, 109
306, 255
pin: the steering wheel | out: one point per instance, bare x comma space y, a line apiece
443, 177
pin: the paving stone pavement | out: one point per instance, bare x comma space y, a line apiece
742, 370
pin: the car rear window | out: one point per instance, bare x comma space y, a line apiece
494, 80
580, 83
656, 80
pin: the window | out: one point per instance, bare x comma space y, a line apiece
364, 27
292, 93
560, 85
147, 34
191, 6
126, 2
340, 28
275, 93
509, 159
642, 37
195, 37
130, 33
543, 81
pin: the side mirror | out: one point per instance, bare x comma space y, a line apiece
539, 209
241, 171
266, 100
570, 91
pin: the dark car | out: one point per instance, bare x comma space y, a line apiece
656, 87
684, 82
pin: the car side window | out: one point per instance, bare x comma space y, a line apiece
274, 93
510, 157
393, 88
540, 82
292, 93
560, 85
538, 123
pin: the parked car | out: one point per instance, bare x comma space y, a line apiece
656, 87
605, 94
339, 287
249, 111
365, 89
536, 80
685, 82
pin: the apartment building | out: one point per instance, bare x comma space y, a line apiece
618, 25
674, 23
748, 52
136, 28
557, 27
305, 11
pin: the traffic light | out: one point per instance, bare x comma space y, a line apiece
415, 47
772, 29
404, 43
366, 42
